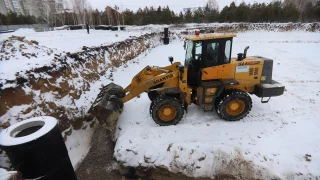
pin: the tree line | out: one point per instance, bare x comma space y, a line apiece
276, 11
13, 18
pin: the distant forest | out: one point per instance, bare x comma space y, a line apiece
276, 11
14, 19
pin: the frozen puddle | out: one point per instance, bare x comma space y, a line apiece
273, 141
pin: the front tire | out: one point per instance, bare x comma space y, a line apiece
166, 110
233, 105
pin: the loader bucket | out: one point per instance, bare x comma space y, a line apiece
108, 106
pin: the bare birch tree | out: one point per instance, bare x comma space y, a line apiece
117, 14
301, 6
89, 15
46, 10
109, 15
213, 4
79, 8
61, 11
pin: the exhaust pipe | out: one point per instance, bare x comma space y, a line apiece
243, 55
245, 52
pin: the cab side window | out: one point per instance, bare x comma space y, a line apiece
198, 50
212, 54
227, 52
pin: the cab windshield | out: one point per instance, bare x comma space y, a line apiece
189, 56
193, 50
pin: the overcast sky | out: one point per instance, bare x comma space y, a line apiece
176, 5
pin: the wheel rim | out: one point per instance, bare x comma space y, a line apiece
235, 107
167, 113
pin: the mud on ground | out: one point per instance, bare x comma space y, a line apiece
99, 162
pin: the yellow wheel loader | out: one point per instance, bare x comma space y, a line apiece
209, 78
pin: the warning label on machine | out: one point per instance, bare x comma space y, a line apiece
240, 69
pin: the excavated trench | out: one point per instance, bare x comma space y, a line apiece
68, 76
84, 68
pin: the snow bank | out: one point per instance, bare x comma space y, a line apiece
276, 140
17, 56
66, 80
261, 141
4, 174
234, 27
66, 87
72, 41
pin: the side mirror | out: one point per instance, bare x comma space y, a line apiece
171, 59
184, 45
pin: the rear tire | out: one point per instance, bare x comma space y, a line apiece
233, 105
166, 110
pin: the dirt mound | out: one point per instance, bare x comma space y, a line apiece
16, 47
62, 87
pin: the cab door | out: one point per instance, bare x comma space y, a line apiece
215, 64
210, 60
225, 69
209, 73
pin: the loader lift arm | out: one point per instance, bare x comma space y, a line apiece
109, 104
148, 78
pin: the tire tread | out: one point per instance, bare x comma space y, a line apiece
166, 98
233, 93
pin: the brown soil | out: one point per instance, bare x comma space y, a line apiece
20, 98
90, 63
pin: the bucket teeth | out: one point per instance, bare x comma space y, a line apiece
107, 107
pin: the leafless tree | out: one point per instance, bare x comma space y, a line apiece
122, 18
117, 14
99, 18
63, 6
213, 4
109, 15
46, 10
301, 5
89, 17
79, 8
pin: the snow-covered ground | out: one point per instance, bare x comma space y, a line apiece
50, 44
78, 143
53, 43
6, 174
72, 41
272, 141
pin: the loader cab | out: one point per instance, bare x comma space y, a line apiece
206, 51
